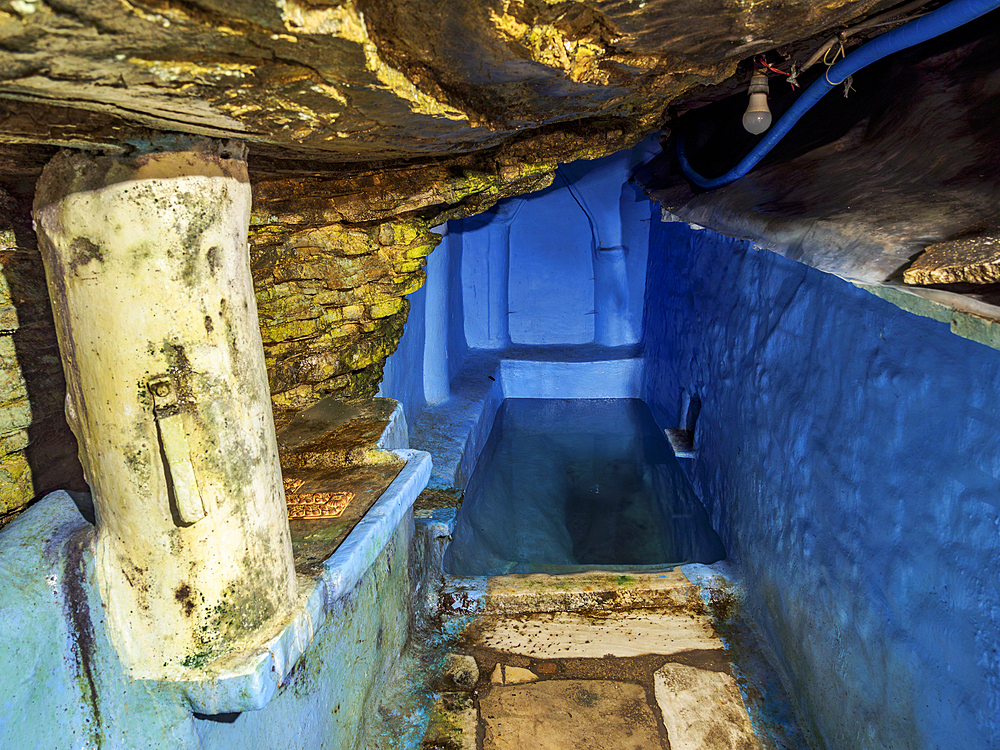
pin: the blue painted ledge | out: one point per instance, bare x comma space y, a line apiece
247, 680
455, 430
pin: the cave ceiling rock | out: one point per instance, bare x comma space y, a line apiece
374, 79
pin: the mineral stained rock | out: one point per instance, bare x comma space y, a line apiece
973, 257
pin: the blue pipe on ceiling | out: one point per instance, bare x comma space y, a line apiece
935, 23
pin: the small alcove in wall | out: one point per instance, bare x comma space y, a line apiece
550, 294
541, 296
682, 437
529, 307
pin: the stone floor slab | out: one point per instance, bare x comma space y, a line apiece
453, 723
592, 591
506, 675
702, 709
567, 634
561, 714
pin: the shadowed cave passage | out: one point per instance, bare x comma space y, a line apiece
568, 484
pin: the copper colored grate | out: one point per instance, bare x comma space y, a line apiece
316, 504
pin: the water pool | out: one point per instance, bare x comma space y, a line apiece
572, 484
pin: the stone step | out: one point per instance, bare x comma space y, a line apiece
596, 591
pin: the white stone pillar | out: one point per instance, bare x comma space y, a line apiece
148, 271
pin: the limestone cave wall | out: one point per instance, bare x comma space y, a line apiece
37, 450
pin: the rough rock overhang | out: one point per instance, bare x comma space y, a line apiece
896, 187
375, 80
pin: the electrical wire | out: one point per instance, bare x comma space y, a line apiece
928, 26
880, 20
765, 64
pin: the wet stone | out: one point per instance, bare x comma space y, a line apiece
460, 672
702, 709
452, 724
323, 417
561, 714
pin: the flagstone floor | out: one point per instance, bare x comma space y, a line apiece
595, 661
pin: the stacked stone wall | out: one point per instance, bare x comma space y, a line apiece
332, 304
37, 449
15, 411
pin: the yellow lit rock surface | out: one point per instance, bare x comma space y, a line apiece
374, 81
331, 286
973, 257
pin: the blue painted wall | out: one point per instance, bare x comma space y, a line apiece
551, 293
432, 346
849, 455
458, 347
402, 376
563, 266
485, 268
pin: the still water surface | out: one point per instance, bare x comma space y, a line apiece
566, 485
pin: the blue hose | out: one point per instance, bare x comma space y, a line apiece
945, 18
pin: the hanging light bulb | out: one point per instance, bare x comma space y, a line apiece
757, 118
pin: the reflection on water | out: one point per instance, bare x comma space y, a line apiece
568, 484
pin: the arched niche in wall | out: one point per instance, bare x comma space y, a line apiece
565, 265
551, 276
485, 272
